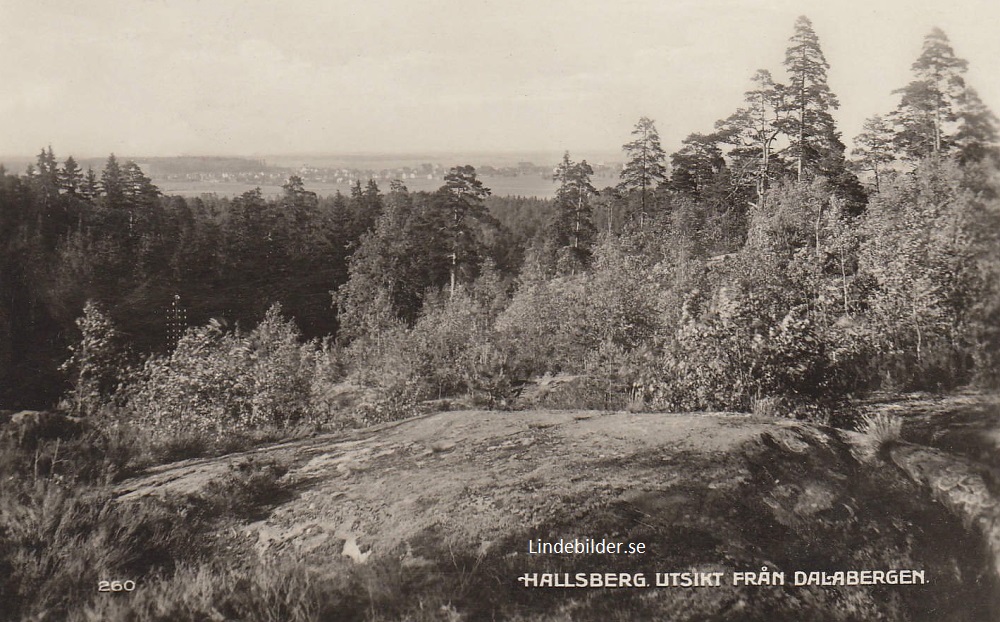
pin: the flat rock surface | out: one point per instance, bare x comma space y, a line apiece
446, 505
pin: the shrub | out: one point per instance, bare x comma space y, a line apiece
96, 363
393, 402
546, 329
448, 352
490, 378
216, 382
882, 428
922, 258
94, 454
329, 368
250, 484
438, 350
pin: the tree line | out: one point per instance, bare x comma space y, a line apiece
760, 263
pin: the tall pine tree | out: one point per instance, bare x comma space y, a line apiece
645, 166
462, 198
814, 142
572, 227
928, 107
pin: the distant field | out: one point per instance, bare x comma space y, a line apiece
528, 186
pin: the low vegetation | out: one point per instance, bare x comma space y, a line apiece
883, 428
62, 531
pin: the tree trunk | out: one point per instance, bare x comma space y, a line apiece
802, 117
454, 262
843, 281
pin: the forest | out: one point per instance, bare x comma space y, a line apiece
756, 244
763, 267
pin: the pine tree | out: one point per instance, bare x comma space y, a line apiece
928, 107
300, 207
48, 172
814, 142
113, 183
696, 165
138, 189
572, 225
753, 130
977, 133
48, 168
364, 207
70, 177
874, 147
644, 168
462, 196
90, 189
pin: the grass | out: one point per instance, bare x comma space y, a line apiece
57, 540
769, 406
281, 590
62, 531
882, 428
250, 486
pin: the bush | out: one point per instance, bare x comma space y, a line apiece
490, 377
568, 323
392, 403
96, 364
546, 329
448, 352
882, 428
250, 484
923, 258
759, 335
93, 454
437, 352
216, 382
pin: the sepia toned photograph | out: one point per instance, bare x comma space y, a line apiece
652, 310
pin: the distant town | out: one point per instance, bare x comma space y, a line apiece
218, 170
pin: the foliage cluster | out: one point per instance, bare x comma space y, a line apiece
218, 382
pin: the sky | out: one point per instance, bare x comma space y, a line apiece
246, 77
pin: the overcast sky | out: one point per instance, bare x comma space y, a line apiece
242, 77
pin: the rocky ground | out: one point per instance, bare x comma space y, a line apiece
440, 510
